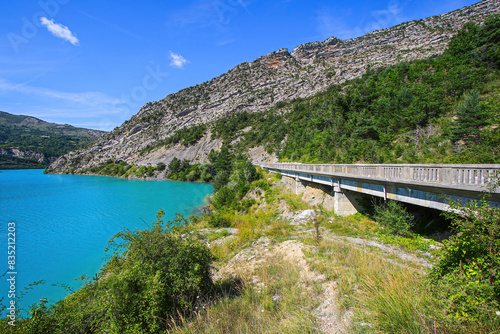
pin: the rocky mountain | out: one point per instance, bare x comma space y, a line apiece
259, 85
27, 141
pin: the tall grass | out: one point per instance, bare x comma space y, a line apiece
387, 293
396, 302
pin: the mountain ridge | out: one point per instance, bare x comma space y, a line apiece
258, 85
29, 142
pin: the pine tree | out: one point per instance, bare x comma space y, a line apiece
471, 117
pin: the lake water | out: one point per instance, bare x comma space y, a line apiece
64, 222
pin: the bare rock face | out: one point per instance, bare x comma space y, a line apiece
259, 85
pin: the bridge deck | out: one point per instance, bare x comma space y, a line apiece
425, 185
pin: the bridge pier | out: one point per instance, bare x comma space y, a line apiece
300, 186
345, 203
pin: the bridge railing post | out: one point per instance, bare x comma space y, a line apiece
406, 173
447, 175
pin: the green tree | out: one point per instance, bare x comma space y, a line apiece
249, 172
490, 36
471, 117
224, 160
220, 180
464, 42
174, 166
161, 166
224, 197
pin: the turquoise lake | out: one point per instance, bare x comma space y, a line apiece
64, 222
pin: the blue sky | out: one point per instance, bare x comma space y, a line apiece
95, 63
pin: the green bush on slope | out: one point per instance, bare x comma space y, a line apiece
467, 277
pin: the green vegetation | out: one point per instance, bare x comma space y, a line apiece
26, 139
274, 277
440, 110
184, 136
29, 134
123, 169
467, 276
221, 164
393, 217
154, 277
8, 162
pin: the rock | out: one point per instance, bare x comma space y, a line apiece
257, 86
39, 157
303, 217
203, 210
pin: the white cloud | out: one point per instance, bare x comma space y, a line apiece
385, 18
59, 30
177, 61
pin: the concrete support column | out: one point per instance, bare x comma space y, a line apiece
343, 204
300, 186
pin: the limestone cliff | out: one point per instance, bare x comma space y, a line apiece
258, 85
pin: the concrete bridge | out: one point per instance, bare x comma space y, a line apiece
425, 185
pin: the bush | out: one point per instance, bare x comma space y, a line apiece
468, 274
161, 166
217, 221
224, 197
249, 172
393, 217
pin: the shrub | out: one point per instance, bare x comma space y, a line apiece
161, 166
217, 221
393, 217
467, 276
224, 197
249, 172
